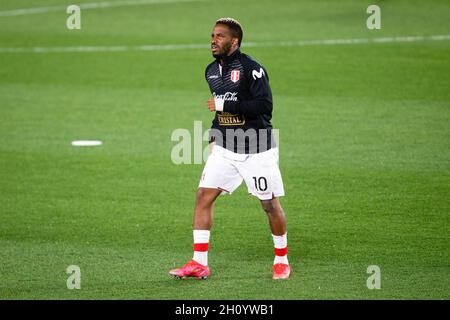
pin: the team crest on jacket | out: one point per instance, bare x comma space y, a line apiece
235, 75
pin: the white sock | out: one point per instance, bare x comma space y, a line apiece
201, 243
280, 244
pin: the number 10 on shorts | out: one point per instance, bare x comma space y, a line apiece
260, 183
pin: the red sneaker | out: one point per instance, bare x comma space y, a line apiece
191, 269
281, 271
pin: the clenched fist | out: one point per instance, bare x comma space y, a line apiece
211, 104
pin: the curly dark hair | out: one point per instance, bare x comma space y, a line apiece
234, 26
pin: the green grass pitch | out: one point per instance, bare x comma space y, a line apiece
364, 152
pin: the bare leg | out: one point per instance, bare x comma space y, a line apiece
203, 212
277, 219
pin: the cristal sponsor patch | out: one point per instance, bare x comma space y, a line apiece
228, 119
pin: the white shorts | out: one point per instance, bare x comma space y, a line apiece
225, 170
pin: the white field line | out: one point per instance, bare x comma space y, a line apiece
170, 47
87, 6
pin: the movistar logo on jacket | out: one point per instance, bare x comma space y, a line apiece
258, 74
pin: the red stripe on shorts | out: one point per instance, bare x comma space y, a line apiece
200, 247
281, 252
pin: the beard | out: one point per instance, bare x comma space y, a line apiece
224, 52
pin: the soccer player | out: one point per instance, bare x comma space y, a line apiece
243, 147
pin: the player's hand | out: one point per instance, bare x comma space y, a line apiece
211, 104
